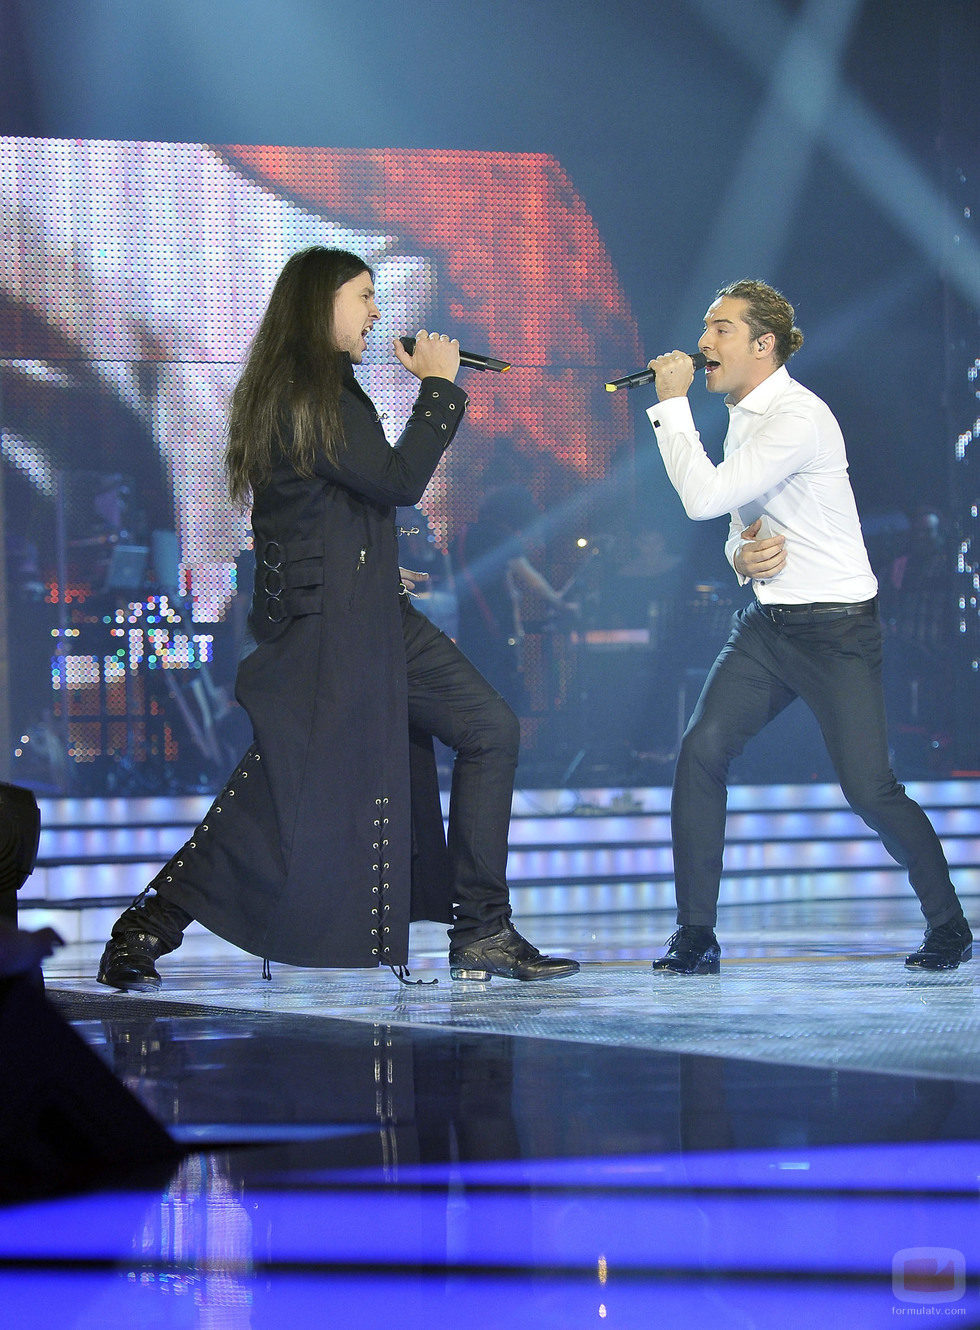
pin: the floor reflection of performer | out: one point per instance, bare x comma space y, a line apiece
327, 839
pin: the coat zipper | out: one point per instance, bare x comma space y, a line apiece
361, 561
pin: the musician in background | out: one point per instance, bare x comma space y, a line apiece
917, 614
640, 588
494, 578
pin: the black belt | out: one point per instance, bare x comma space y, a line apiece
821, 609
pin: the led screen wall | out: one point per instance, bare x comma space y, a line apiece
132, 276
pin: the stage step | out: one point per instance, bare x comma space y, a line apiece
571, 851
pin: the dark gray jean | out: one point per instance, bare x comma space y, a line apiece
449, 698
833, 663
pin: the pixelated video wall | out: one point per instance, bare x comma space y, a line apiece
132, 276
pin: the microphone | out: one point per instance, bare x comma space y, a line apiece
468, 358
643, 376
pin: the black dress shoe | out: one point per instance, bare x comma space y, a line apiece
691, 950
943, 947
127, 962
507, 955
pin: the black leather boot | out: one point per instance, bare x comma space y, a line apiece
691, 950
507, 955
151, 927
944, 947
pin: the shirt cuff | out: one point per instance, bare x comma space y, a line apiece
673, 414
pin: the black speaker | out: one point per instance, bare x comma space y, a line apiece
66, 1123
20, 831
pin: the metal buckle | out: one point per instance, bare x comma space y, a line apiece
273, 582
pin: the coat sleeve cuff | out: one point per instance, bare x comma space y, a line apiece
443, 391
441, 404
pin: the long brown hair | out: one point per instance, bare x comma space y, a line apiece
287, 400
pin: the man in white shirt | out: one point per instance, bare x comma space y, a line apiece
812, 630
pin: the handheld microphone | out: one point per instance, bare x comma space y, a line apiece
468, 358
643, 376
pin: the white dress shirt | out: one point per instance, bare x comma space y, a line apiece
784, 461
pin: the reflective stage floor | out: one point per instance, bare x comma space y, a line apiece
793, 1141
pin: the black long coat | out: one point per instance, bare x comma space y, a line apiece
307, 855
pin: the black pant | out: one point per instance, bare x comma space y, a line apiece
449, 698
834, 664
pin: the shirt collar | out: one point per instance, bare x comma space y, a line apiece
763, 394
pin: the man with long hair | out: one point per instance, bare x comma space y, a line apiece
812, 630
327, 839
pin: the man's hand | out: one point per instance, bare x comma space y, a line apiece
759, 559
21, 951
675, 374
435, 354
409, 577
